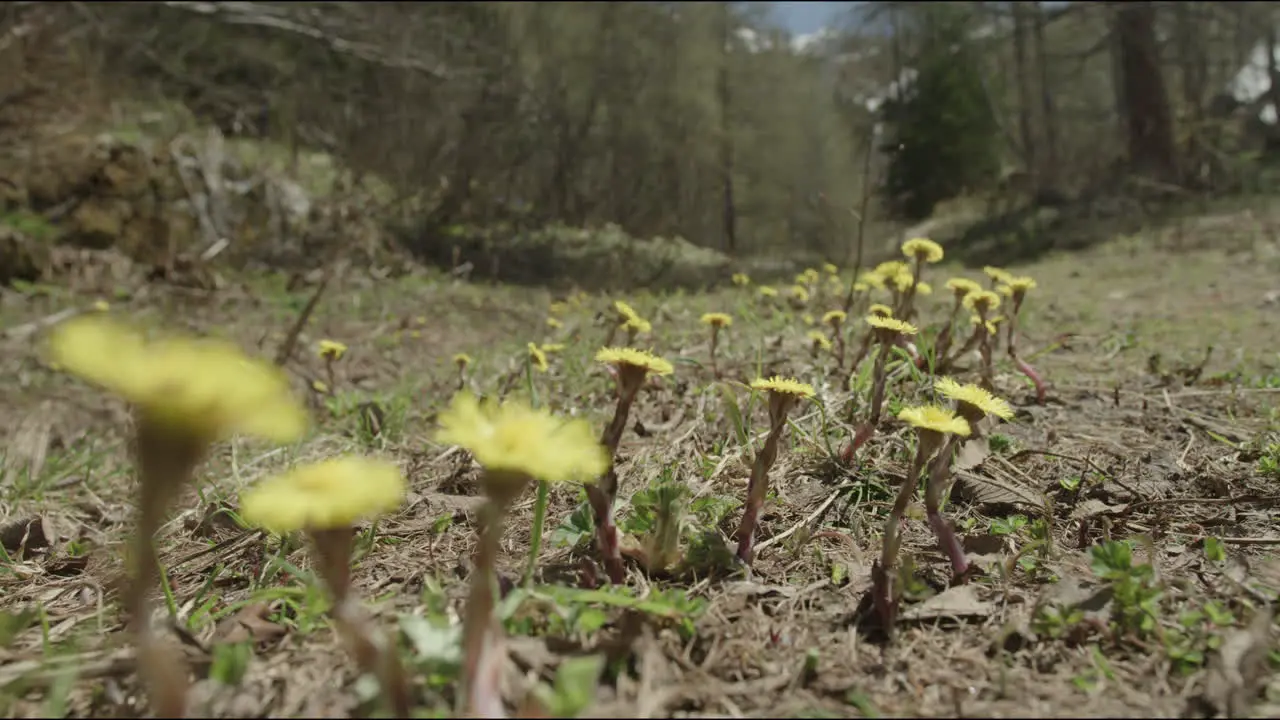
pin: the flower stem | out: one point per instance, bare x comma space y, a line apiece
758, 486
883, 593
948, 541
602, 494
535, 541
481, 634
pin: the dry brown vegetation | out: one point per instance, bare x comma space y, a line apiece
119, 189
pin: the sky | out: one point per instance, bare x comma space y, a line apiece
802, 18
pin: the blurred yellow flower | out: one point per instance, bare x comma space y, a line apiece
996, 274
962, 286
101, 305
977, 398
830, 268
922, 250
767, 291
554, 323
330, 494
891, 325
513, 437
834, 317
716, 319
638, 359
741, 279
462, 360
819, 338
881, 310
981, 301
799, 293
783, 386
205, 388
331, 349
537, 357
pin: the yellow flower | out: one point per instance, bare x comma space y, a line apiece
983, 300
203, 387
552, 347
807, 319
891, 325
990, 324
922, 250
767, 291
637, 325
331, 349
873, 279
320, 386
819, 338
889, 268
101, 305
741, 279
625, 311
630, 357
1017, 287
783, 386
882, 310
326, 495
834, 317
554, 323
537, 357
799, 293
421, 319
936, 419
830, 268
462, 360
558, 308
802, 278
963, 286
415, 334
995, 273
924, 288
516, 438
861, 286
902, 281
976, 397
719, 320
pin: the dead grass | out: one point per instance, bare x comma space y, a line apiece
1118, 452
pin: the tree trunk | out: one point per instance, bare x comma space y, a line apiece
1050, 176
1022, 76
1193, 64
1150, 126
730, 219
1273, 92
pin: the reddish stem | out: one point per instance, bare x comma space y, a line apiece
1031, 373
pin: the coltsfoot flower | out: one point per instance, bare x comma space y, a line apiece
973, 401
537, 357
834, 317
819, 340
891, 325
879, 309
997, 275
645, 361
922, 250
516, 438
331, 349
767, 291
962, 287
325, 495
741, 279
783, 386
983, 301
717, 319
935, 419
205, 388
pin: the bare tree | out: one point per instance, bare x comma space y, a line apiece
1146, 102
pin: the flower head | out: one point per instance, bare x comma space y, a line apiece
881, 310
558, 308
462, 360
783, 386
552, 347
741, 279
873, 279
625, 311
902, 281
537, 357
997, 275
924, 288
861, 286
620, 358
554, 323
936, 419
637, 325
962, 286
889, 268
799, 293
819, 339
976, 398
922, 250
717, 320
325, 495
830, 268
767, 291
891, 325
807, 319
516, 438
834, 317
982, 301
331, 349
1017, 287
202, 387
988, 325
101, 305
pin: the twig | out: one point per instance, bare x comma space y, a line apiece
291, 340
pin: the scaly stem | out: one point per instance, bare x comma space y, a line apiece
883, 573
481, 634
602, 494
1022, 365
165, 462
758, 486
373, 653
839, 337
715, 336
948, 541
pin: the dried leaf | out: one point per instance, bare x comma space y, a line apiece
988, 490
961, 601
249, 624
972, 454
26, 536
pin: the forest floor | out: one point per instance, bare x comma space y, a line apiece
1125, 530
